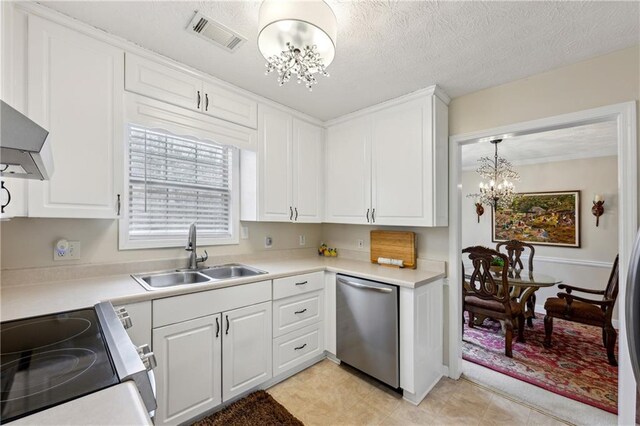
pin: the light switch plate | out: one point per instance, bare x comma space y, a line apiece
268, 242
360, 244
302, 240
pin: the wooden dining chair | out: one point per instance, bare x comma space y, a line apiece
515, 249
570, 307
485, 294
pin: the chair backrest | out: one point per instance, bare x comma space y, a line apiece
515, 249
611, 292
482, 283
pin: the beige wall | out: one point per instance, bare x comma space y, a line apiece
600, 244
29, 242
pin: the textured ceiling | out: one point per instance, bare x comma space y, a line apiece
592, 140
385, 48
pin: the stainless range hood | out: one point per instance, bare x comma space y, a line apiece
24, 150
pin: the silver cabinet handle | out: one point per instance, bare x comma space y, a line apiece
290, 213
118, 206
217, 327
363, 286
198, 106
227, 331
301, 283
373, 215
296, 218
301, 312
300, 347
206, 102
367, 215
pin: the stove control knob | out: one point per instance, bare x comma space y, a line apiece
148, 358
124, 317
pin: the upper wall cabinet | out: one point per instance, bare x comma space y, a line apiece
180, 88
390, 166
282, 182
75, 86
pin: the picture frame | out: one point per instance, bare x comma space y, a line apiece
540, 218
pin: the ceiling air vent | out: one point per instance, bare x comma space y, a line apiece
215, 32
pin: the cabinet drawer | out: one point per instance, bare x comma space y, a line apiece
299, 284
296, 312
176, 309
297, 347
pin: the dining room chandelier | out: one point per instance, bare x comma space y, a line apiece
297, 37
497, 189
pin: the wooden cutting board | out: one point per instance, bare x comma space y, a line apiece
394, 245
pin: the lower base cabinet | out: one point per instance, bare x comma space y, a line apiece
206, 361
188, 374
246, 349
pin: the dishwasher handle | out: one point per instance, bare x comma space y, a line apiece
364, 286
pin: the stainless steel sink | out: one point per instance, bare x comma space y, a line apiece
224, 272
156, 281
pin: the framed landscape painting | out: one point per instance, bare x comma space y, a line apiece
543, 218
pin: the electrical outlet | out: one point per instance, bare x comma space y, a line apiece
360, 244
268, 242
244, 232
66, 250
302, 240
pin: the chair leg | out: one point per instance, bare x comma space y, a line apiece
531, 305
611, 335
604, 337
521, 328
508, 338
548, 329
471, 319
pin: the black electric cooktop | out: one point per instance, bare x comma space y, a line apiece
51, 359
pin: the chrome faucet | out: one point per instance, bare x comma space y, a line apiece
192, 247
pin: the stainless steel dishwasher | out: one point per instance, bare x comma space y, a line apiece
367, 327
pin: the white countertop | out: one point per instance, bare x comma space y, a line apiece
25, 300
115, 405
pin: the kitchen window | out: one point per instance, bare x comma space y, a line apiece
173, 181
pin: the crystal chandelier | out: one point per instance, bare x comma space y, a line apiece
297, 37
498, 189
292, 61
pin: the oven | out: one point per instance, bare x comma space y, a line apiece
52, 359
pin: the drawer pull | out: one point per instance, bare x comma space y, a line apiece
302, 283
300, 347
301, 312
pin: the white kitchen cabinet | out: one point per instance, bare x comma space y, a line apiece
390, 166
151, 79
189, 356
348, 172
75, 86
307, 164
246, 349
282, 182
182, 88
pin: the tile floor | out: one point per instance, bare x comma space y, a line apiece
329, 394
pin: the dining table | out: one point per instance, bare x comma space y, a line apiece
522, 286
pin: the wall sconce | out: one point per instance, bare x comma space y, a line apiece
479, 210
597, 208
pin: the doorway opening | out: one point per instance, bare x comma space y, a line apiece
569, 158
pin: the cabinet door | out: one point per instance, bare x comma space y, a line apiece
246, 349
75, 92
163, 83
189, 366
307, 172
274, 164
348, 172
401, 158
230, 106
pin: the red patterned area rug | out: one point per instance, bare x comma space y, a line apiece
576, 366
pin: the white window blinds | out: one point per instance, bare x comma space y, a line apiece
174, 181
